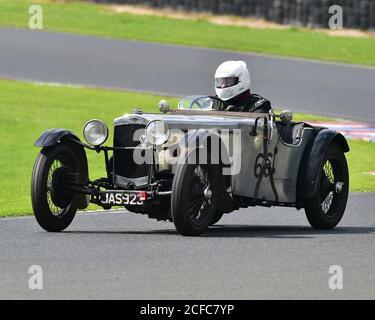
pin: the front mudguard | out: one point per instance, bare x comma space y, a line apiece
203, 139
52, 137
312, 161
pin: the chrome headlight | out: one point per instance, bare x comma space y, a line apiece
157, 132
95, 132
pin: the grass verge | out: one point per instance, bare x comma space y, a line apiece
27, 109
96, 19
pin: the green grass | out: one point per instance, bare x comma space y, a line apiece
94, 19
26, 110
304, 116
361, 161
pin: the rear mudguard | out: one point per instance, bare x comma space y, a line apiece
312, 161
52, 137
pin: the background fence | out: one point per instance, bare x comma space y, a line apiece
358, 14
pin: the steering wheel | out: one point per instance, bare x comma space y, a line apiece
221, 105
196, 101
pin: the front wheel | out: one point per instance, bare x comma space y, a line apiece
54, 207
217, 217
194, 198
326, 208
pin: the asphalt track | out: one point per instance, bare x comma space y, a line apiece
255, 253
321, 88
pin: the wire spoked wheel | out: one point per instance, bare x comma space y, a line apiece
331, 186
326, 208
200, 197
194, 198
54, 207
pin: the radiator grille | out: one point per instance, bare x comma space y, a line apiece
125, 169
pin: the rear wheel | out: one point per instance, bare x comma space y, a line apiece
194, 198
326, 208
54, 207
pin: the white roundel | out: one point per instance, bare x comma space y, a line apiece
231, 79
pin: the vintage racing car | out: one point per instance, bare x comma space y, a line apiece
191, 165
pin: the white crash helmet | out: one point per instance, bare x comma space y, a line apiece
231, 79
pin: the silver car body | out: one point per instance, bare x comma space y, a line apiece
286, 157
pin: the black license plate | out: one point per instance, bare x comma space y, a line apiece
122, 198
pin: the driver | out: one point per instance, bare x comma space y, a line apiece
232, 85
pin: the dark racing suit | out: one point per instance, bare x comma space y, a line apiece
245, 102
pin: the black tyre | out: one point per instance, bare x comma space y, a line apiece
326, 208
54, 207
217, 217
194, 198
